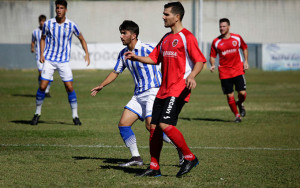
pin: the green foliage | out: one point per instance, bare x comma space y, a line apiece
262, 151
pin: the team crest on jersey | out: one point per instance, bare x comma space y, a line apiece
234, 43
175, 42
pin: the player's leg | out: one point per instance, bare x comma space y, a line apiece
227, 87
127, 119
40, 68
149, 100
65, 72
240, 86
155, 141
47, 73
168, 123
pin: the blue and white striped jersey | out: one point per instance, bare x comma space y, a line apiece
145, 76
60, 39
36, 38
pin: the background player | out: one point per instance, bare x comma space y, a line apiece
147, 79
182, 61
56, 56
231, 68
35, 47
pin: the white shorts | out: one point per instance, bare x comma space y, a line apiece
64, 71
39, 65
142, 104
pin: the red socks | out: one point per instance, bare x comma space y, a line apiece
156, 142
232, 105
242, 98
177, 138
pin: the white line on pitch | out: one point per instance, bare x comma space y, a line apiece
108, 146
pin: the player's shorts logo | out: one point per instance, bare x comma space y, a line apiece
234, 43
175, 42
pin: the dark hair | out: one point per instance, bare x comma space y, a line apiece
177, 8
130, 26
61, 2
42, 17
224, 20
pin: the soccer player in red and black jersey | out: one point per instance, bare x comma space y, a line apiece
182, 61
231, 66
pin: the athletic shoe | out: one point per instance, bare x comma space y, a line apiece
134, 161
76, 121
150, 172
238, 119
241, 109
181, 157
187, 167
35, 119
47, 95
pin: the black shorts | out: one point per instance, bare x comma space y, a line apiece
239, 83
166, 110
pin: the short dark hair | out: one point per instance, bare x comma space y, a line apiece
224, 20
177, 8
130, 26
61, 2
42, 17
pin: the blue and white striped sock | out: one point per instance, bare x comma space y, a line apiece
73, 103
129, 140
40, 96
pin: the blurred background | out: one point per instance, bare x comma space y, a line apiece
269, 27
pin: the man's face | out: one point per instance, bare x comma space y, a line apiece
60, 11
42, 22
224, 28
126, 37
169, 18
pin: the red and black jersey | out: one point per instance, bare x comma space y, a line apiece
231, 61
178, 53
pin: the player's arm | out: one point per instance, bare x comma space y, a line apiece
130, 55
32, 46
85, 48
246, 65
190, 80
42, 47
109, 79
212, 62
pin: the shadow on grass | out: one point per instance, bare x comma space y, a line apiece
23, 95
205, 119
27, 122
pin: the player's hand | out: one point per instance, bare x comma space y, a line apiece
32, 50
246, 65
129, 55
96, 90
42, 59
87, 60
190, 82
212, 68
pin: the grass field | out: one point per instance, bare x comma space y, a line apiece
262, 151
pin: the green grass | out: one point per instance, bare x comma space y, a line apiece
262, 151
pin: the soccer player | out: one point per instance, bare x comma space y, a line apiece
147, 79
181, 60
231, 66
35, 48
56, 55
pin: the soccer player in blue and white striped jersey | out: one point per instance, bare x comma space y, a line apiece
35, 48
56, 55
147, 79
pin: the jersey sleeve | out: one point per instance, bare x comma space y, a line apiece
194, 51
76, 30
213, 50
120, 66
243, 44
155, 54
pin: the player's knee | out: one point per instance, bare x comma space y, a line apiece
242, 92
